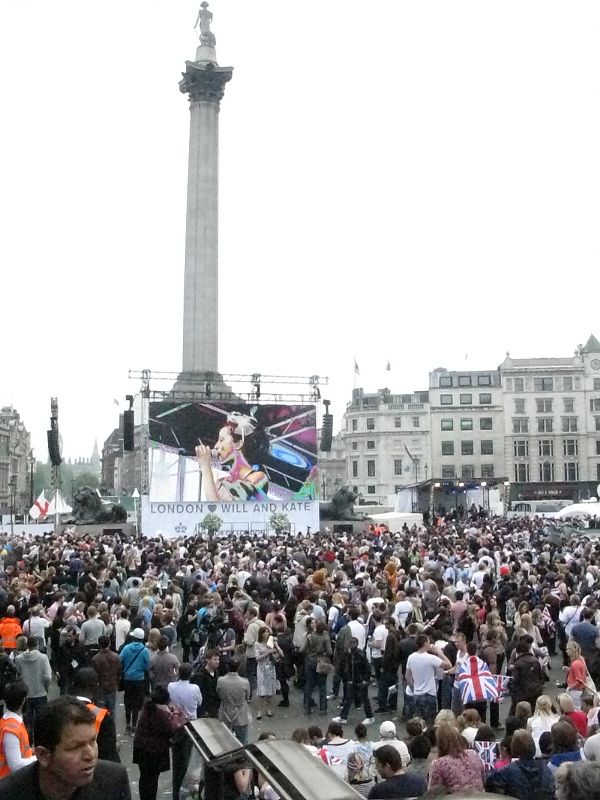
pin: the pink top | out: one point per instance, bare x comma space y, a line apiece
461, 773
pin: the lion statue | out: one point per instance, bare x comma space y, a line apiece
90, 509
341, 506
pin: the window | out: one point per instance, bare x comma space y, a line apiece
487, 447
370, 423
484, 380
544, 424
521, 448
546, 447
598, 472
487, 470
355, 469
569, 404
397, 466
466, 424
522, 473
447, 448
567, 384
355, 445
546, 472
544, 406
569, 424
466, 399
466, 448
597, 384
519, 385
370, 490
445, 382
598, 447
543, 384
519, 405
464, 380
485, 399
520, 425
397, 422
371, 469
354, 424
595, 404
447, 424
570, 447
571, 471
446, 399
485, 424
467, 471
355, 489
597, 421
448, 471
416, 422
370, 444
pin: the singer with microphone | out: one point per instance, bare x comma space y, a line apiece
243, 481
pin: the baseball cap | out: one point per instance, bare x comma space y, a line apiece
387, 729
137, 633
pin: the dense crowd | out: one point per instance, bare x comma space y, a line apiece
424, 631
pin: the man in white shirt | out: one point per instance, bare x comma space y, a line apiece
185, 694
36, 626
403, 610
122, 628
357, 628
377, 643
421, 670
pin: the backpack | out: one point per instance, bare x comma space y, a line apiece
8, 674
340, 622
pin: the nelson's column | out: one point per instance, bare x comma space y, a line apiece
204, 82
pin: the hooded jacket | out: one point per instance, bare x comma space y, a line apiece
526, 779
34, 669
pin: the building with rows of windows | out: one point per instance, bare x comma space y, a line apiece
387, 441
531, 424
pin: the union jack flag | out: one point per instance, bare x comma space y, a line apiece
487, 752
502, 682
476, 682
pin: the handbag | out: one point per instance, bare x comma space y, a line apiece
324, 665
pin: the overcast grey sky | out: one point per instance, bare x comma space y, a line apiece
410, 181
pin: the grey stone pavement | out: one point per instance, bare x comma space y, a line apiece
285, 720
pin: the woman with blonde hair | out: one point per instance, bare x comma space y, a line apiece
566, 706
529, 627
523, 608
542, 721
493, 624
153, 640
577, 673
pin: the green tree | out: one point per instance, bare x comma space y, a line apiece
212, 523
279, 522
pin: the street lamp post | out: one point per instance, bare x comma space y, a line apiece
12, 484
31, 462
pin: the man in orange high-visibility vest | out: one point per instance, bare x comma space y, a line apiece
15, 750
10, 629
85, 688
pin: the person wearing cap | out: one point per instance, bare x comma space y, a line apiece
135, 661
388, 736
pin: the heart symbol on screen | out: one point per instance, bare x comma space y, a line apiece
211, 507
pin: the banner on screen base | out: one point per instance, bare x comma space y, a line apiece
185, 519
248, 460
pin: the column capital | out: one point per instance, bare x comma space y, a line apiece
204, 81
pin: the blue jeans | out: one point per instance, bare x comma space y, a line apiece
109, 701
314, 680
251, 673
241, 733
426, 707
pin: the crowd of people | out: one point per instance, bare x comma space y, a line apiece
422, 631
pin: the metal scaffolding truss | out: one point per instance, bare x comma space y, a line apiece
210, 387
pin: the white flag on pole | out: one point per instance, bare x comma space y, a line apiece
39, 509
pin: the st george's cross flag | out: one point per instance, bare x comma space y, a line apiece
476, 682
39, 509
